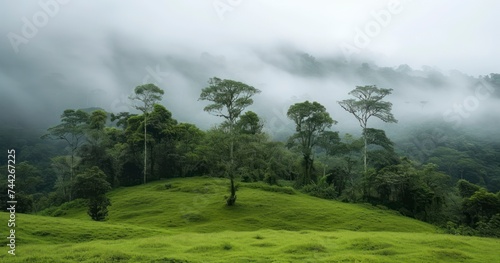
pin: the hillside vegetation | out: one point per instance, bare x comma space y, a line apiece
186, 220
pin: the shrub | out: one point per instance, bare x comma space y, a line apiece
98, 208
321, 191
271, 188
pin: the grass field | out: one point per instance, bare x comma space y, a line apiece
186, 220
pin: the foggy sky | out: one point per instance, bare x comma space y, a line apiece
93, 54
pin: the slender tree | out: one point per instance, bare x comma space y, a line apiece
368, 103
229, 98
148, 95
311, 120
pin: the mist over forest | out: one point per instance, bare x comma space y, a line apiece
97, 63
73, 76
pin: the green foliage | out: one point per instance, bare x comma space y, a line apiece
320, 190
311, 120
98, 207
249, 123
148, 95
369, 103
229, 98
271, 188
92, 182
481, 206
92, 185
71, 130
419, 192
466, 189
233, 96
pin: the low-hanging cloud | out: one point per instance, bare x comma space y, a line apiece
93, 54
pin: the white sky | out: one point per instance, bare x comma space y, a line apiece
104, 47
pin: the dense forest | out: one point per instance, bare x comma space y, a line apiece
436, 173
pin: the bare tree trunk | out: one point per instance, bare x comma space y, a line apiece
72, 171
365, 187
152, 162
145, 147
364, 154
232, 199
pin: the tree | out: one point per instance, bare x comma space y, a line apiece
311, 119
93, 152
92, 185
71, 130
481, 206
188, 140
368, 103
249, 123
148, 94
229, 98
121, 119
161, 139
467, 189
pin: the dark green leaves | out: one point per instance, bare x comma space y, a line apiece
310, 119
232, 95
148, 94
369, 103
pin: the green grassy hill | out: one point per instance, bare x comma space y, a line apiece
186, 220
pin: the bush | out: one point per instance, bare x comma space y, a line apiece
491, 228
270, 178
271, 188
454, 229
321, 191
98, 208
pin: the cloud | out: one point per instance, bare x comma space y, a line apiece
94, 53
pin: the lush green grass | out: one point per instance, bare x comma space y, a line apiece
185, 220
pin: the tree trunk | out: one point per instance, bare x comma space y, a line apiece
365, 154
232, 199
307, 176
72, 171
145, 147
152, 162
365, 188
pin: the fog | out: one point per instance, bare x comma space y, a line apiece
57, 55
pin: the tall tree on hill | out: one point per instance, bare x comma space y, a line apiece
368, 103
148, 95
229, 98
311, 120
